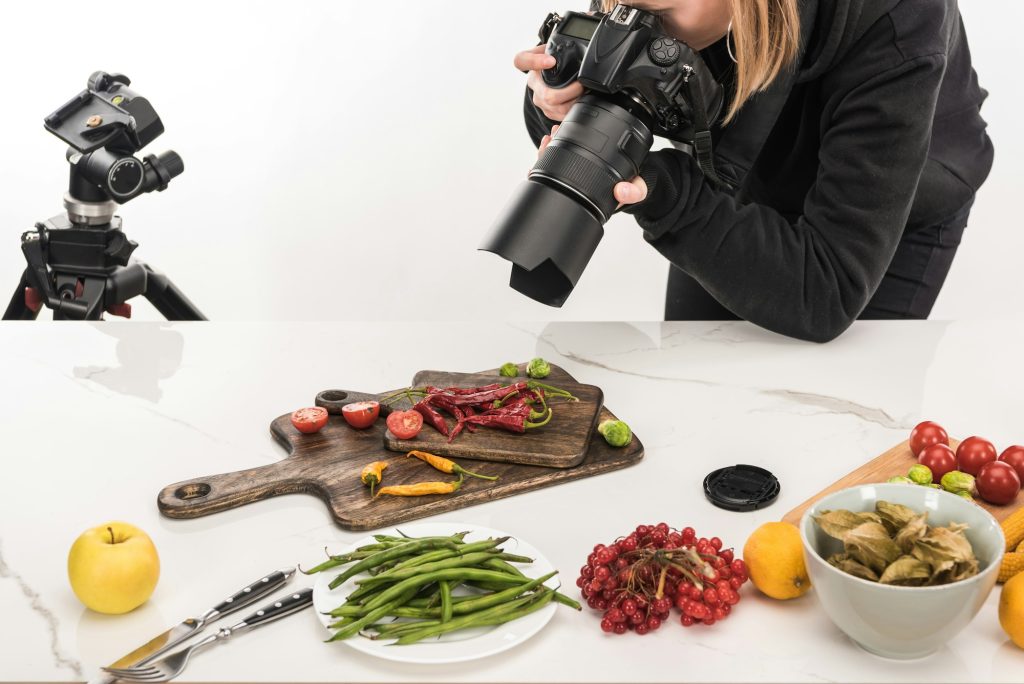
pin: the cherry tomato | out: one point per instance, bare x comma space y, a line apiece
1014, 455
309, 420
925, 434
973, 453
939, 458
361, 414
405, 424
998, 483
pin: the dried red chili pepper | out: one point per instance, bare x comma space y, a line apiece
431, 416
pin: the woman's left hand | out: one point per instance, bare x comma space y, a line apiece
627, 192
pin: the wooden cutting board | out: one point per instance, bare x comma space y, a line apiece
895, 461
328, 463
562, 443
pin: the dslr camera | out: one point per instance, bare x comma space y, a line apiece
639, 82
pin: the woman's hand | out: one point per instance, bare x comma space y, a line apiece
554, 102
627, 192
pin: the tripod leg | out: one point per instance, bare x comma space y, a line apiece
17, 310
168, 299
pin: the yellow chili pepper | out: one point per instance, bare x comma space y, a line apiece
446, 466
421, 488
373, 474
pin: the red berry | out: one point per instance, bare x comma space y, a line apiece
711, 597
607, 625
621, 563
681, 601
616, 615
727, 555
726, 608
642, 530
717, 613
725, 572
735, 582
723, 585
637, 618
653, 623
581, 580
663, 527
686, 621
689, 532
601, 572
595, 586
620, 627
739, 567
629, 543
587, 571
716, 543
661, 605
642, 628
710, 620
629, 607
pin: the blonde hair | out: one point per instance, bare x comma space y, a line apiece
766, 36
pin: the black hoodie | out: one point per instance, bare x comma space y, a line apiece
875, 132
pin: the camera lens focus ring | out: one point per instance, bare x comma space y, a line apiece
592, 180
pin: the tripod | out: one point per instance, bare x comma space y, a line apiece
82, 270
80, 263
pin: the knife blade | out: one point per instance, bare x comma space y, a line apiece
193, 625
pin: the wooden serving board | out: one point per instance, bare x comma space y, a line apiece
895, 461
562, 443
328, 463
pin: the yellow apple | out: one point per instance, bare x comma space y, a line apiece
113, 568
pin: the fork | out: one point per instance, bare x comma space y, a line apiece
171, 666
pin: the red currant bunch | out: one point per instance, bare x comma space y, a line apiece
637, 580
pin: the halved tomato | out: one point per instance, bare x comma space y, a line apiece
405, 424
309, 420
361, 414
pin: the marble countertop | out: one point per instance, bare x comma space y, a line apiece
98, 418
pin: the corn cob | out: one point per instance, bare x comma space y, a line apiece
1012, 564
1013, 530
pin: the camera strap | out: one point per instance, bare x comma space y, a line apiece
702, 146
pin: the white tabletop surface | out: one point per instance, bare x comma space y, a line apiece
96, 419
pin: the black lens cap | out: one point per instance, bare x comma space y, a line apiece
741, 488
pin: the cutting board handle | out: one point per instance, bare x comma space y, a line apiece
215, 493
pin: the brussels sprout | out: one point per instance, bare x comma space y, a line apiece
538, 368
508, 370
956, 482
920, 474
899, 479
615, 432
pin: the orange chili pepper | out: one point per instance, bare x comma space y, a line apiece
446, 466
373, 474
421, 488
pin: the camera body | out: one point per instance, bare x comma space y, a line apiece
640, 82
625, 55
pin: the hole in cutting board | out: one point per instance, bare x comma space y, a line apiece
192, 491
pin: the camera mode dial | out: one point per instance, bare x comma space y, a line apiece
663, 51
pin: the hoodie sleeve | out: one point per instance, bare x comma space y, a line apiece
808, 276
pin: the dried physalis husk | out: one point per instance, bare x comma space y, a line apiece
916, 529
907, 571
852, 567
894, 516
949, 553
837, 524
870, 545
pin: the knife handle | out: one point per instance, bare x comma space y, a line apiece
284, 606
265, 585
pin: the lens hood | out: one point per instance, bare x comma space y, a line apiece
549, 238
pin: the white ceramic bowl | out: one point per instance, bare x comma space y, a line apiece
901, 622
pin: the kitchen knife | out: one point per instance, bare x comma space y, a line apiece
175, 635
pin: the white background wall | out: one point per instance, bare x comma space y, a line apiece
343, 159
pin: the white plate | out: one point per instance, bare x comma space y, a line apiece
457, 646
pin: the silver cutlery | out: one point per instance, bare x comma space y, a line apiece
158, 645
171, 666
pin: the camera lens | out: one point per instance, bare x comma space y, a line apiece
553, 223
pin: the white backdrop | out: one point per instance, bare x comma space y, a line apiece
343, 159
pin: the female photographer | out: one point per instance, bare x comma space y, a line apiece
853, 145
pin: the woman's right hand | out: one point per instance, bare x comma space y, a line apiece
555, 103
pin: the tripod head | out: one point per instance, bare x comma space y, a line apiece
105, 125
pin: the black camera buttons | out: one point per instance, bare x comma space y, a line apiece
663, 52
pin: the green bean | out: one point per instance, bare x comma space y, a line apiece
442, 554
500, 565
460, 574
354, 627
513, 610
393, 630
566, 601
526, 560
446, 600
390, 554
467, 561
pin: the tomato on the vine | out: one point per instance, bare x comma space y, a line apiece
309, 420
926, 434
361, 414
405, 424
973, 453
